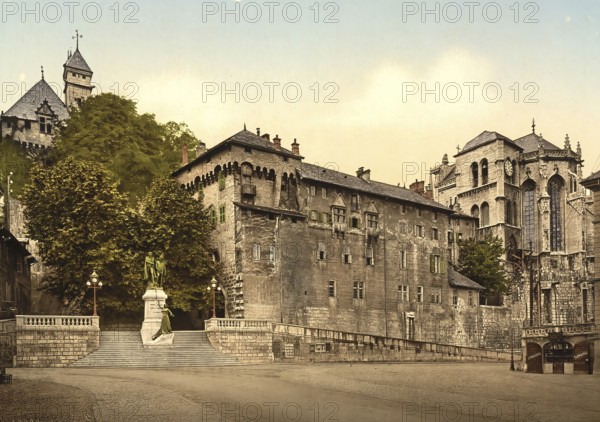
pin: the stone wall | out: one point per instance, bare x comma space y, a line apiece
317, 345
499, 326
249, 341
55, 341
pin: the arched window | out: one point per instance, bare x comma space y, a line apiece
485, 214
475, 211
484, 171
475, 174
555, 190
529, 214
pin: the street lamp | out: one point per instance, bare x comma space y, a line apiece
214, 287
9, 182
93, 283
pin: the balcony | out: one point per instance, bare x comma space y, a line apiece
248, 190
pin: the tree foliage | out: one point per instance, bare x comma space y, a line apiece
480, 260
83, 223
79, 218
13, 158
107, 129
173, 223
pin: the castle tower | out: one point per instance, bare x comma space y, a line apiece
77, 76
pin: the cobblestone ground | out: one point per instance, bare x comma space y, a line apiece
309, 393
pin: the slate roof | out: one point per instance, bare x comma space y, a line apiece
321, 174
531, 143
456, 279
76, 61
26, 107
243, 138
593, 177
484, 138
451, 174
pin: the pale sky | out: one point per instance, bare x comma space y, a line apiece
361, 68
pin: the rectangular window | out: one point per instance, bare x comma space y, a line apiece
436, 296
314, 215
222, 214
435, 264
470, 298
402, 228
435, 234
450, 237
321, 252
403, 208
272, 254
354, 202
256, 252
327, 218
331, 288
369, 256
355, 223
324, 193
455, 297
213, 217
419, 212
339, 215
27, 124
403, 295
359, 290
420, 294
313, 191
346, 256
372, 221
403, 259
419, 231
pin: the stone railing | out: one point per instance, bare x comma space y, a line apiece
249, 341
565, 329
55, 340
58, 322
396, 348
232, 324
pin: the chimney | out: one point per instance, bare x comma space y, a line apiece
277, 142
266, 137
258, 131
363, 174
295, 147
418, 187
184, 154
200, 149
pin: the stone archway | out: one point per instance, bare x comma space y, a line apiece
534, 358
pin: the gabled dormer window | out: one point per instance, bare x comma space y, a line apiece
339, 215
372, 220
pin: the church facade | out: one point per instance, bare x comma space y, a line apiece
307, 245
528, 192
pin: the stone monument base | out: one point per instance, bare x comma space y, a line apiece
154, 299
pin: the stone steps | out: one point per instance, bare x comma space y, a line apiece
125, 349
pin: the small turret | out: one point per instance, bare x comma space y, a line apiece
77, 77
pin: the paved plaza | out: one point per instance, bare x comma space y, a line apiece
436, 392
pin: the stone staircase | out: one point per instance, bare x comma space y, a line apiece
124, 349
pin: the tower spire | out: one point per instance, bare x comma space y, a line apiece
533, 126
42, 72
77, 37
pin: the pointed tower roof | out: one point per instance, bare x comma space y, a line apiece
34, 99
76, 61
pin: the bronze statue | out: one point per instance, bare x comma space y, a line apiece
165, 324
160, 267
150, 270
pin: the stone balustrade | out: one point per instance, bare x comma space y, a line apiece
57, 322
232, 324
55, 340
565, 329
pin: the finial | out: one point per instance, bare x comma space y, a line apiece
445, 159
578, 148
567, 142
76, 37
458, 148
42, 72
533, 126
244, 125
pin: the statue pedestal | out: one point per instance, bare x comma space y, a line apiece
153, 317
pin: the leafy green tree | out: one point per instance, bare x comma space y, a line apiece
107, 129
174, 223
82, 224
480, 260
13, 158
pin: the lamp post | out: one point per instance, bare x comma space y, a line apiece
214, 287
512, 345
93, 283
